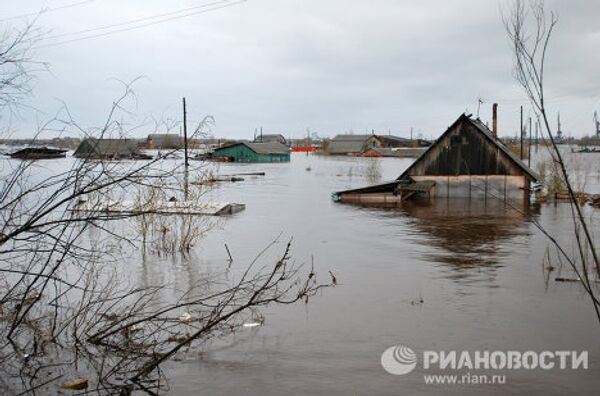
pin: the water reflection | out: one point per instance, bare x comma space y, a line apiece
470, 239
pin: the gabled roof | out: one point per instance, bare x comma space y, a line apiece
485, 131
361, 138
271, 137
342, 144
110, 147
262, 148
392, 138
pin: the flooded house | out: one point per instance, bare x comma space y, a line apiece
391, 141
252, 152
271, 138
113, 149
375, 145
353, 144
164, 141
466, 161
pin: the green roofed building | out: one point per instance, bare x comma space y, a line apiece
253, 152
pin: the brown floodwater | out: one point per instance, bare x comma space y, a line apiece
445, 275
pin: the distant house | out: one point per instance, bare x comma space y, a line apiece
352, 144
270, 138
93, 148
164, 141
253, 152
468, 160
394, 141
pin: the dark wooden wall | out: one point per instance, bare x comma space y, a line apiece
465, 151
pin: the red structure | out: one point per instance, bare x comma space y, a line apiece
303, 149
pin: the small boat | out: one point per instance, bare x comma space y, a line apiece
37, 153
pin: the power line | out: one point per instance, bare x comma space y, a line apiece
46, 10
133, 21
170, 16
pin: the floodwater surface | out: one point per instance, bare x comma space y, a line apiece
451, 275
445, 275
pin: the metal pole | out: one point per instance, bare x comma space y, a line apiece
529, 147
521, 132
537, 137
185, 153
185, 139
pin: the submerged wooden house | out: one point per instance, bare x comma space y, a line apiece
111, 149
352, 144
270, 138
164, 141
466, 161
252, 152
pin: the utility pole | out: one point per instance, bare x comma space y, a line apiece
185, 153
537, 138
185, 140
529, 147
411, 129
521, 133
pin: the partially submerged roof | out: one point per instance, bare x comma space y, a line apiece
387, 186
394, 140
44, 150
489, 137
262, 148
342, 144
354, 138
107, 147
271, 137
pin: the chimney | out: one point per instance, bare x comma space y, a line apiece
495, 119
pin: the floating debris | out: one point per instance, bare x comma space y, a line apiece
218, 179
78, 384
171, 207
563, 279
185, 317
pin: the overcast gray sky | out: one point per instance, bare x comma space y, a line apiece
287, 65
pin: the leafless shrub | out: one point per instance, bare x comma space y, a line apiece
17, 63
67, 309
529, 29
